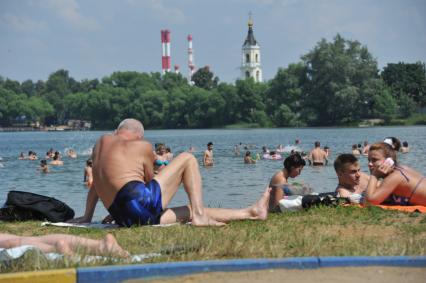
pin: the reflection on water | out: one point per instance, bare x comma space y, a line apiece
229, 183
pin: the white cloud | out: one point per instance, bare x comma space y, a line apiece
69, 11
22, 23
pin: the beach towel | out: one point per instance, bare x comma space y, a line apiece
405, 208
11, 254
95, 225
80, 225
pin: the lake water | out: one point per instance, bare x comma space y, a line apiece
230, 183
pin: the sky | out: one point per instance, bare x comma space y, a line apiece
94, 38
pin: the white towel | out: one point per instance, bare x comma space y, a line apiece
80, 225
96, 225
17, 252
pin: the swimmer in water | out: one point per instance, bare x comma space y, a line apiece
88, 176
43, 166
57, 159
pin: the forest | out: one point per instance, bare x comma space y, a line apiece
337, 83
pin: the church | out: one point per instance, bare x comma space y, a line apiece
250, 52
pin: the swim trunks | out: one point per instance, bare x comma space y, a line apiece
318, 163
137, 204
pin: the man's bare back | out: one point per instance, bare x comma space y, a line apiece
318, 156
122, 162
117, 161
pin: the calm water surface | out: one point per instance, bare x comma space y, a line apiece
230, 183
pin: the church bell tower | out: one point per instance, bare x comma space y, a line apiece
250, 52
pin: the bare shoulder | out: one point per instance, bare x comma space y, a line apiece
342, 192
278, 178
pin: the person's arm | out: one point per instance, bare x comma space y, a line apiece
377, 191
204, 158
148, 167
91, 201
325, 158
277, 194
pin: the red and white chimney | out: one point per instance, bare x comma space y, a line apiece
165, 44
191, 65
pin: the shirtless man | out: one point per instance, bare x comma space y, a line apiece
352, 182
208, 155
365, 148
57, 159
88, 175
123, 178
318, 156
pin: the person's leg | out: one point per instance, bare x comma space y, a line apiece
8, 241
183, 214
69, 244
184, 169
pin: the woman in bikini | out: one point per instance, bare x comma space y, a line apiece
161, 159
293, 166
400, 184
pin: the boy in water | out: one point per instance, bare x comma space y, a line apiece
208, 155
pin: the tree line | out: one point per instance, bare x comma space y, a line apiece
335, 83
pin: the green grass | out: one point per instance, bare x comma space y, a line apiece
415, 119
323, 231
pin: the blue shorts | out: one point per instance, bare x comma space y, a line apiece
137, 204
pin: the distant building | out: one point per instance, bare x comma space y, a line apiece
250, 63
80, 125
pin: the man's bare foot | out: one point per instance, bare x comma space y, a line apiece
109, 246
259, 210
204, 220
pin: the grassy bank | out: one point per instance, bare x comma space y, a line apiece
323, 231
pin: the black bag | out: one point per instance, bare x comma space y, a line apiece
327, 199
22, 206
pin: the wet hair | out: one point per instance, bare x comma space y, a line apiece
317, 144
209, 144
248, 153
405, 144
294, 160
394, 142
168, 149
43, 162
359, 145
354, 146
342, 160
132, 125
385, 148
326, 147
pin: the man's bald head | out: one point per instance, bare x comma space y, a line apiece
132, 125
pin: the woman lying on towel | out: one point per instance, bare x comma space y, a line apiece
66, 244
400, 185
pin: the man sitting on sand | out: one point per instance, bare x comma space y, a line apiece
123, 178
352, 182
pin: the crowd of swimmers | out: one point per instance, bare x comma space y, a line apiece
126, 175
